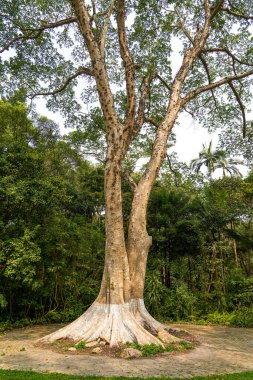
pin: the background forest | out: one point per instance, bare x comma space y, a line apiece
200, 267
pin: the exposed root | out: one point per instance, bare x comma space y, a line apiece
115, 323
138, 309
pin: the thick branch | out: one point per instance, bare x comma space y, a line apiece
208, 76
210, 86
192, 53
142, 102
80, 71
174, 106
34, 33
163, 82
241, 107
166, 85
151, 121
99, 69
216, 8
128, 64
105, 30
142, 193
237, 14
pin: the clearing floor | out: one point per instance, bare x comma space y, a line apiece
223, 349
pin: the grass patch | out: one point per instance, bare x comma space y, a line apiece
28, 375
81, 345
153, 349
61, 344
186, 345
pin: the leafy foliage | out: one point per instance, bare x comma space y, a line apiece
50, 218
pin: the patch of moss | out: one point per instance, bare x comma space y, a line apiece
80, 345
186, 345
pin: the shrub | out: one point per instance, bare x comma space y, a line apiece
220, 318
243, 317
179, 303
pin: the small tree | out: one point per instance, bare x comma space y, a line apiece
211, 81
215, 159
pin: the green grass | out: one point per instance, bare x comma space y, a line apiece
25, 375
81, 345
152, 349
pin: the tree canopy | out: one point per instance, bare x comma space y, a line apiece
44, 53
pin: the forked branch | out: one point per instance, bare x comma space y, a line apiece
228, 52
105, 29
34, 33
238, 98
80, 71
128, 64
142, 102
208, 87
99, 69
237, 13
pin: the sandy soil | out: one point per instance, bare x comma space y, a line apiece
222, 350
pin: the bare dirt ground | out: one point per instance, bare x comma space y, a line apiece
222, 350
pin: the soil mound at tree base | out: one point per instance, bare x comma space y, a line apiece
102, 348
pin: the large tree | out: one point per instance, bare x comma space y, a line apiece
128, 44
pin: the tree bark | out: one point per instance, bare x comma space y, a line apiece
115, 287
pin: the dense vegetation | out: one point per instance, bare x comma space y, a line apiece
52, 237
52, 233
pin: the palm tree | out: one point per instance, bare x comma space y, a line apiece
215, 159
228, 166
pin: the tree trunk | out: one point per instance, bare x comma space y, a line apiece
119, 314
115, 287
110, 317
138, 246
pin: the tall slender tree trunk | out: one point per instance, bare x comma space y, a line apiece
138, 246
139, 241
115, 287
